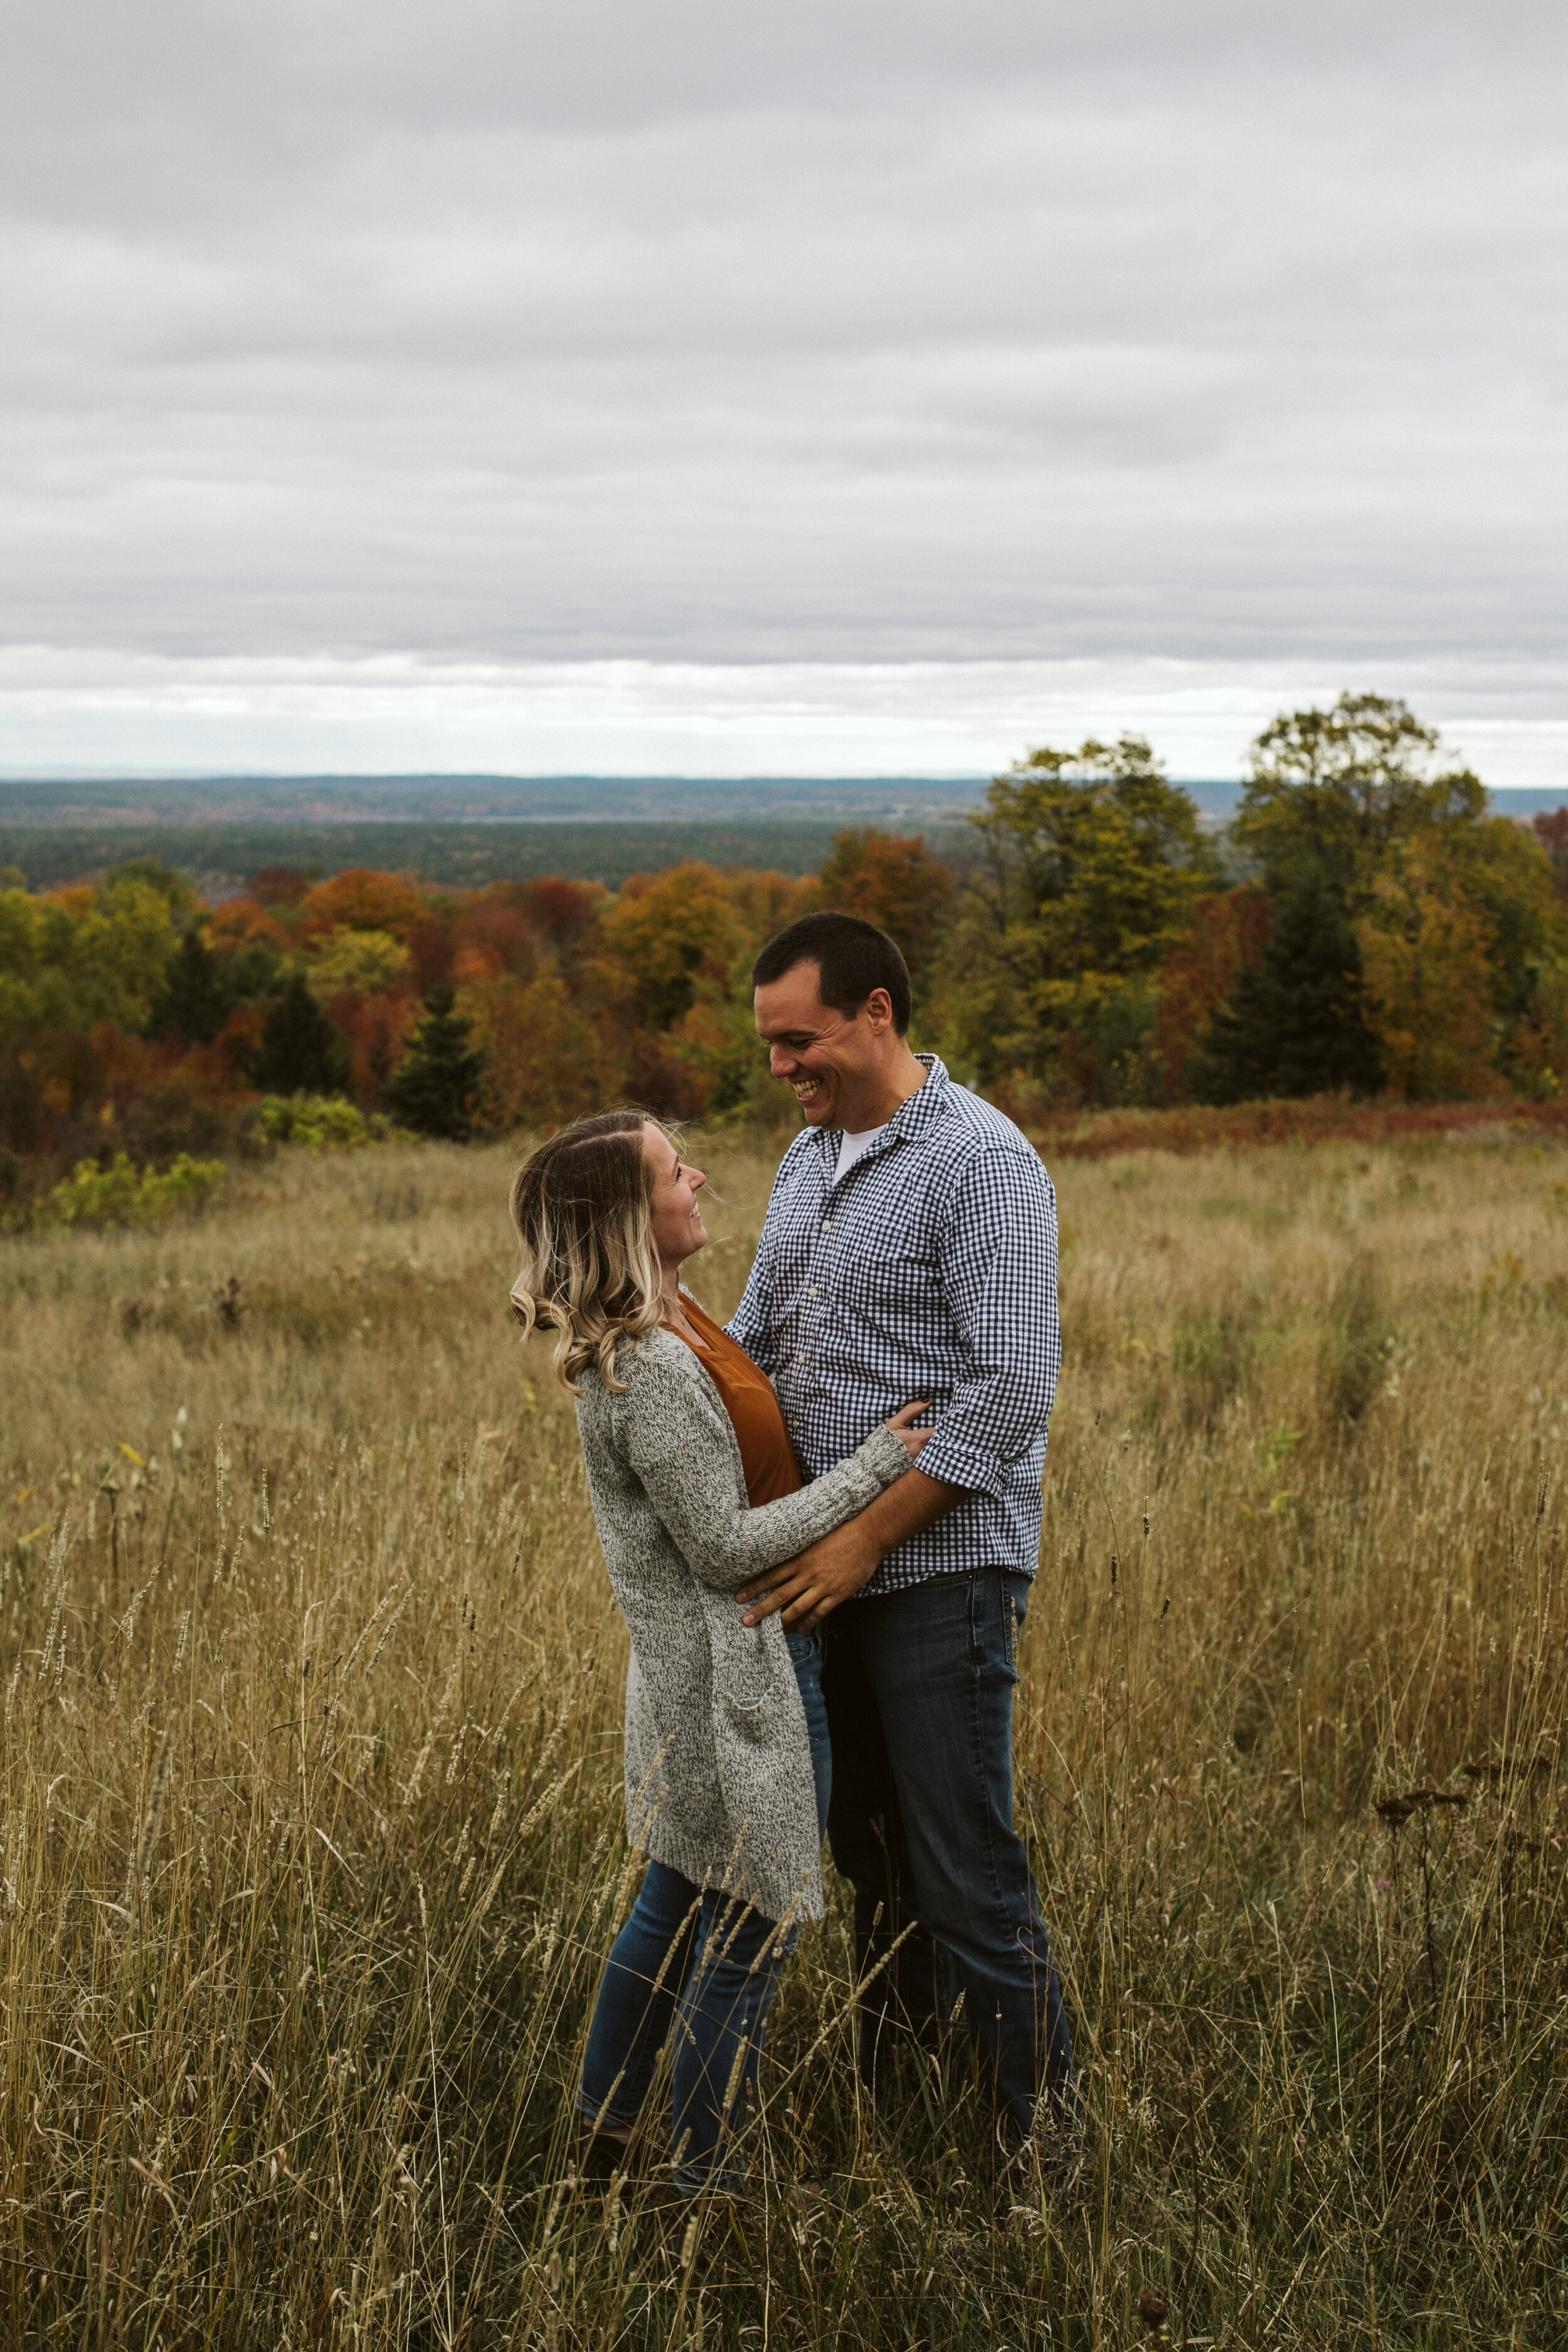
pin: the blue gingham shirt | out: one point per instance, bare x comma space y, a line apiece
928, 1270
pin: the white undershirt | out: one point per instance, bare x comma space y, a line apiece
852, 1148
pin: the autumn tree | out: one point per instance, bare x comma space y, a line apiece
548, 1055
676, 955
565, 914
1225, 936
1426, 962
492, 936
87, 953
892, 880
1330, 790
361, 962
1423, 925
1090, 863
363, 900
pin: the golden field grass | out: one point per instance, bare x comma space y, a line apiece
311, 1811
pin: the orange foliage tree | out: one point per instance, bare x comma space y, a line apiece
892, 880
364, 900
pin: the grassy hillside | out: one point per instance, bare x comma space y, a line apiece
312, 1809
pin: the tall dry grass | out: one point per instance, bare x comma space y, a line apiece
312, 1809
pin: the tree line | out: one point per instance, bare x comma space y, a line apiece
1363, 924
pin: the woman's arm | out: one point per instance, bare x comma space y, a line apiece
677, 1440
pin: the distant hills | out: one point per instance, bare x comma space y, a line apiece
464, 831
461, 831
56, 803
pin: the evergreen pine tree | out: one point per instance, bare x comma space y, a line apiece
192, 1002
1296, 1024
434, 1086
300, 1052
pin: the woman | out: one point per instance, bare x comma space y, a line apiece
695, 1490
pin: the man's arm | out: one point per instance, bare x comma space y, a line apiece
998, 1256
837, 1565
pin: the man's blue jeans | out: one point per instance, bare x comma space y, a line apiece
710, 1967
920, 1686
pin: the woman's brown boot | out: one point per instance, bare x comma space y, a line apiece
605, 2148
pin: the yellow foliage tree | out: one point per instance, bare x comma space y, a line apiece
368, 961
1426, 968
675, 968
83, 955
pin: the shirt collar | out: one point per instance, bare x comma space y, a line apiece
910, 1122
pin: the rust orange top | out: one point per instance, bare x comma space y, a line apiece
767, 1456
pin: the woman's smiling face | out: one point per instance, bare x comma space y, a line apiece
678, 1231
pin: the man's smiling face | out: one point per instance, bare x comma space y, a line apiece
832, 1060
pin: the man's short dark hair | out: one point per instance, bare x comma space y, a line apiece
853, 959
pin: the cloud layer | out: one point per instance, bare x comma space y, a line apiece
876, 334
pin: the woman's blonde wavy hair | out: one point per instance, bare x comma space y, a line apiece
583, 1207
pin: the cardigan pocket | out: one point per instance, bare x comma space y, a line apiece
753, 1719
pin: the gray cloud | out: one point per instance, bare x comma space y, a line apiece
827, 334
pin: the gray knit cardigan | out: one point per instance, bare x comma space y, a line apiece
719, 1782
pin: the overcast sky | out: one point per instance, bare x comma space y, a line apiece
650, 385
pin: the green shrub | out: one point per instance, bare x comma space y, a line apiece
321, 1123
124, 1194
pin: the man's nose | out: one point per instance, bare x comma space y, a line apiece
781, 1062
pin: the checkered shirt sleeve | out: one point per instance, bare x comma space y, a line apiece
930, 1270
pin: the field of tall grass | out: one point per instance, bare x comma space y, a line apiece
312, 1818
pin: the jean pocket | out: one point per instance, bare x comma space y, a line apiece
992, 1625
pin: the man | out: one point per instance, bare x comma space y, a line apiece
909, 1251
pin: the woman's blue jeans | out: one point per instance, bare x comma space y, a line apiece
710, 1967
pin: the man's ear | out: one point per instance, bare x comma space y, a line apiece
879, 1009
